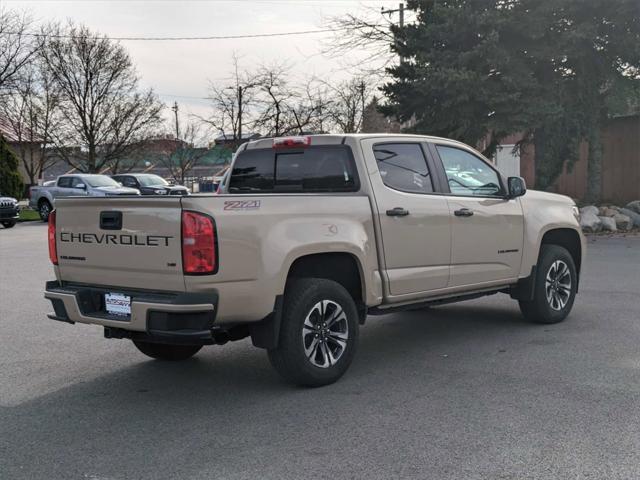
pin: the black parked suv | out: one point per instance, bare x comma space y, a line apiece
150, 184
9, 211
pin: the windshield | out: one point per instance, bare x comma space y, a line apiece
100, 181
149, 180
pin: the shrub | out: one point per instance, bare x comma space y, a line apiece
10, 179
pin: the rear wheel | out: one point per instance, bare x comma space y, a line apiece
555, 287
9, 224
163, 351
318, 334
44, 209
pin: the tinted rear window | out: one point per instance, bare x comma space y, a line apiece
313, 169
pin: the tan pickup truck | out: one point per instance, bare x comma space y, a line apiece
307, 236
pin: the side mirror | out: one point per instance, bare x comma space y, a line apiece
81, 186
516, 186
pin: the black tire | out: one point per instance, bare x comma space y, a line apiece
163, 351
301, 300
543, 309
9, 224
44, 209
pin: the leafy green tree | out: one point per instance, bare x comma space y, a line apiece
477, 69
10, 179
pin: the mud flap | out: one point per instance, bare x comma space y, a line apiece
266, 333
525, 288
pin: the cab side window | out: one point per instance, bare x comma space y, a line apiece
128, 182
467, 174
65, 182
403, 167
76, 181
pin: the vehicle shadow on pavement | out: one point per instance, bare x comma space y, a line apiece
159, 420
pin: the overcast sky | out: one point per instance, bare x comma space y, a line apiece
182, 70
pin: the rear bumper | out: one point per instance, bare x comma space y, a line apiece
184, 318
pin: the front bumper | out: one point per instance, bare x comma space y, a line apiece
180, 318
11, 213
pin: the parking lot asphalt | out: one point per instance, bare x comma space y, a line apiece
465, 391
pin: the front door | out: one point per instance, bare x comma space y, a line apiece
486, 228
414, 221
63, 187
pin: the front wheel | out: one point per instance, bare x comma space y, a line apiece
555, 287
318, 334
9, 224
164, 351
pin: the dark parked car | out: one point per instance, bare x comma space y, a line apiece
150, 184
9, 211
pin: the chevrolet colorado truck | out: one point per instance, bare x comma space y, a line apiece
307, 236
43, 198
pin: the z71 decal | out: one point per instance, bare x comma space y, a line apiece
242, 204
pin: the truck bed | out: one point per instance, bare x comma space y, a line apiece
257, 237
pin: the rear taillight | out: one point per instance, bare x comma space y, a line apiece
199, 254
53, 251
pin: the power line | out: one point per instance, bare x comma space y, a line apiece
214, 37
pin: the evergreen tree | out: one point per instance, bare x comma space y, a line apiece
477, 68
10, 179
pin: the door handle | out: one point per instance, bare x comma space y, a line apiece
463, 212
398, 212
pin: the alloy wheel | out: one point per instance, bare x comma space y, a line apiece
325, 334
557, 285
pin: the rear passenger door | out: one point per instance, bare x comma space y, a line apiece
486, 227
414, 219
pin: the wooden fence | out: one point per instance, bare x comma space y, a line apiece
620, 165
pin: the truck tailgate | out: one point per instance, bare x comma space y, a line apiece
123, 242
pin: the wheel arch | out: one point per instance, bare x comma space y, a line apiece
43, 199
341, 267
567, 238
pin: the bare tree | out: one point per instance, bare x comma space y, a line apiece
232, 102
186, 152
283, 108
103, 111
348, 100
17, 46
369, 33
32, 112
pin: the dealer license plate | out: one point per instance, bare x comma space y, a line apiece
117, 304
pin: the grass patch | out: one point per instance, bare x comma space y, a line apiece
28, 215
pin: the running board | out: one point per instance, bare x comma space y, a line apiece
440, 301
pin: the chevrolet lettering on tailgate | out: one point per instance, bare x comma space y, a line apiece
115, 239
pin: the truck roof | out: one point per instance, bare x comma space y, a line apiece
84, 175
337, 138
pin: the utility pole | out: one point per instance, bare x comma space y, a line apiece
175, 111
239, 139
362, 87
400, 11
